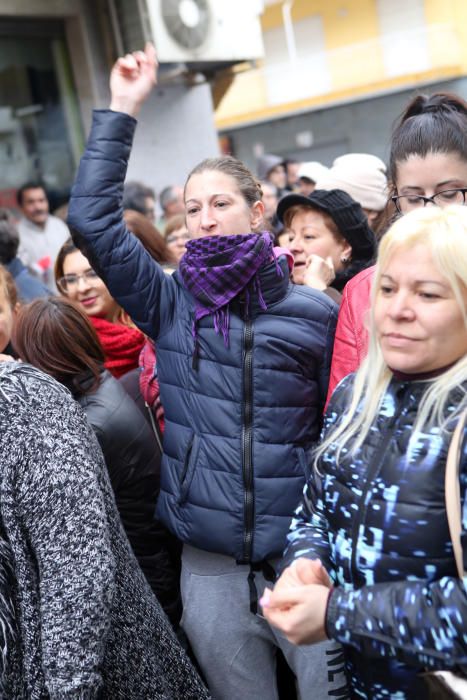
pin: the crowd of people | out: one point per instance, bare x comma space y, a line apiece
225, 432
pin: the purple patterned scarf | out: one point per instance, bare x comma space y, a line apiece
215, 269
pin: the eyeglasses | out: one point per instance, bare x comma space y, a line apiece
174, 237
69, 282
406, 202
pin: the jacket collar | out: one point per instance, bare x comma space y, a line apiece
273, 288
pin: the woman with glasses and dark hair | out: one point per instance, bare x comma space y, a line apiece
121, 341
176, 236
427, 167
55, 336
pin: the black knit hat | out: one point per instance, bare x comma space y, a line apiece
346, 213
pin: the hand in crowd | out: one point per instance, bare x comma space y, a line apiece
302, 572
132, 79
297, 605
319, 272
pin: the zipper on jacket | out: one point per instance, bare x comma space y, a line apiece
247, 441
186, 462
374, 468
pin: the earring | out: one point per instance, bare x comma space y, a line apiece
344, 260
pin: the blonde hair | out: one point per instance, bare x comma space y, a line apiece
444, 233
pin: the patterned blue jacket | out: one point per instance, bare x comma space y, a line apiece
378, 523
239, 425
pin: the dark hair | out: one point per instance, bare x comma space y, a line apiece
9, 238
8, 287
134, 196
67, 248
56, 336
352, 269
28, 186
149, 235
429, 124
167, 195
246, 181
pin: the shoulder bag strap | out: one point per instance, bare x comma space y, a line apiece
452, 493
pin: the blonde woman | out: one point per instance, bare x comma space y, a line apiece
373, 512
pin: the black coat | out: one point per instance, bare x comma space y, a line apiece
377, 520
133, 461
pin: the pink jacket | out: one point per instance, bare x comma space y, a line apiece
351, 339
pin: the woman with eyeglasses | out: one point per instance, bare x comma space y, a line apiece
427, 167
122, 342
176, 236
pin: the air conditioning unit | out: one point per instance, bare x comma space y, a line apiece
198, 31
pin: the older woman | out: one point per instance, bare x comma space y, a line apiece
329, 237
374, 506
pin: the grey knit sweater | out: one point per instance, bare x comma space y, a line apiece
77, 618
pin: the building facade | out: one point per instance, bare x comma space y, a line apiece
337, 73
55, 59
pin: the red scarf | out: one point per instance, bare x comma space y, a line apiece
121, 345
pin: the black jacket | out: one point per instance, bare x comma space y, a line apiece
378, 523
133, 461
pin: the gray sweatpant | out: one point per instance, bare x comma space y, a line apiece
236, 649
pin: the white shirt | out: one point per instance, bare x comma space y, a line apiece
38, 247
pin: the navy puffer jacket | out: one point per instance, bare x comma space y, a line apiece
378, 523
239, 426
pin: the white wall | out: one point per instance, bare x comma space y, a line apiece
175, 131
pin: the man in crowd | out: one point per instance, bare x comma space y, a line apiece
139, 197
271, 168
292, 167
171, 201
308, 175
270, 201
41, 234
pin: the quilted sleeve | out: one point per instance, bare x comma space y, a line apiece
95, 216
308, 534
419, 622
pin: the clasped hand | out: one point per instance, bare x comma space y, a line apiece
297, 605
